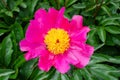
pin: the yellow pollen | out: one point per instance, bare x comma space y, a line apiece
57, 41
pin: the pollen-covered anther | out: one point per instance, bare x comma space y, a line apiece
57, 41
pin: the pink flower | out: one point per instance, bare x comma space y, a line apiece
56, 41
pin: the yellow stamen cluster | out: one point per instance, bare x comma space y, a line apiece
57, 41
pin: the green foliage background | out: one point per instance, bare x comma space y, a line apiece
102, 16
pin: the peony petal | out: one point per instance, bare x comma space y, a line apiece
43, 19
76, 22
88, 54
83, 53
60, 16
61, 21
33, 53
80, 36
52, 14
61, 13
61, 64
71, 58
26, 45
89, 50
83, 60
64, 24
35, 32
45, 61
40, 14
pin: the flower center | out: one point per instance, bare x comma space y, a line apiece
57, 41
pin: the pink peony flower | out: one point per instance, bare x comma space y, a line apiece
56, 41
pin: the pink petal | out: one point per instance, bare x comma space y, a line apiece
60, 14
80, 35
40, 13
87, 55
87, 50
35, 32
61, 64
83, 60
83, 54
52, 16
26, 45
46, 19
76, 22
71, 58
45, 61
90, 50
64, 24
33, 53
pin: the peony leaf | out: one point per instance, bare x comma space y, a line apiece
70, 2
64, 77
103, 71
6, 72
18, 31
101, 33
77, 75
79, 6
113, 29
6, 51
106, 9
27, 69
2, 31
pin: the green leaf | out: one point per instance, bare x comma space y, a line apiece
114, 4
45, 5
101, 33
110, 22
55, 76
53, 2
32, 5
6, 51
116, 39
18, 31
106, 9
79, 6
85, 73
16, 9
42, 76
90, 8
98, 46
102, 71
23, 5
14, 76
9, 13
19, 61
92, 38
5, 72
77, 75
2, 31
27, 69
61, 2
113, 29
45, 75
98, 58
35, 73
110, 19
70, 2
64, 77
4, 77
3, 25
109, 40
